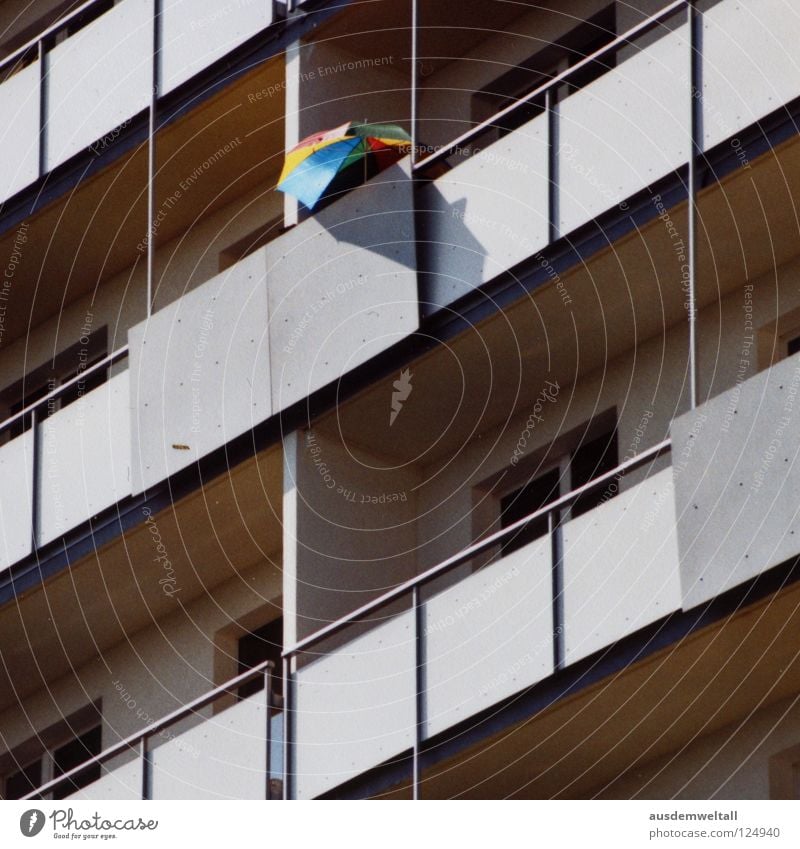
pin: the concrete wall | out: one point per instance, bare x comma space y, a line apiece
347, 539
200, 372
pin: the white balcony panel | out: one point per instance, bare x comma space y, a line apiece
624, 131
19, 137
737, 477
355, 707
200, 372
342, 286
122, 783
195, 33
16, 480
489, 636
224, 757
98, 79
487, 214
620, 566
750, 64
85, 458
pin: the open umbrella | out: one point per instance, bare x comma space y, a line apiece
334, 161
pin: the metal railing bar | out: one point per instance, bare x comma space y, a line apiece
477, 548
612, 47
110, 360
45, 34
135, 741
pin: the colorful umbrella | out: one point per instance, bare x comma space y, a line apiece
334, 161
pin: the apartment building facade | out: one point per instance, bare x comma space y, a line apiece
479, 481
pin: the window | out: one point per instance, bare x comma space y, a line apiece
577, 44
58, 750
76, 24
265, 643
23, 781
73, 753
60, 370
589, 458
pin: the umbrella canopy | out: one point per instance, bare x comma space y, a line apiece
337, 160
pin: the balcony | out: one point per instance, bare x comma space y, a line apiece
237, 754
103, 71
590, 149
457, 651
71, 464
417, 672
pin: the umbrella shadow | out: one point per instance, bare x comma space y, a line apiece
432, 236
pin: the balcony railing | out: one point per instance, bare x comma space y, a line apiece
48, 458
377, 696
139, 743
107, 71
150, 777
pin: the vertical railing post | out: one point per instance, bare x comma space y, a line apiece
35, 473
147, 778
151, 154
287, 727
268, 708
557, 549
414, 80
419, 690
696, 119
42, 53
552, 166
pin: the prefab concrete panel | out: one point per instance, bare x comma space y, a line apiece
195, 33
225, 757
84, 458
98, 79
342, 286
624, 131
16, 481
737, 476
355, 707
620, 567
750, 66
19, 136
200, 372
485, 215
489, 636
122, 783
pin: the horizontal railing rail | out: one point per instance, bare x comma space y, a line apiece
112, 359
544, 90
478, 548
48, 32
138, 741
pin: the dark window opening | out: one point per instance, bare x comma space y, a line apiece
793, 346
541, 491
74, 753
82, 20
265, 643
61, 369
590, 461
582, 41
22, 782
